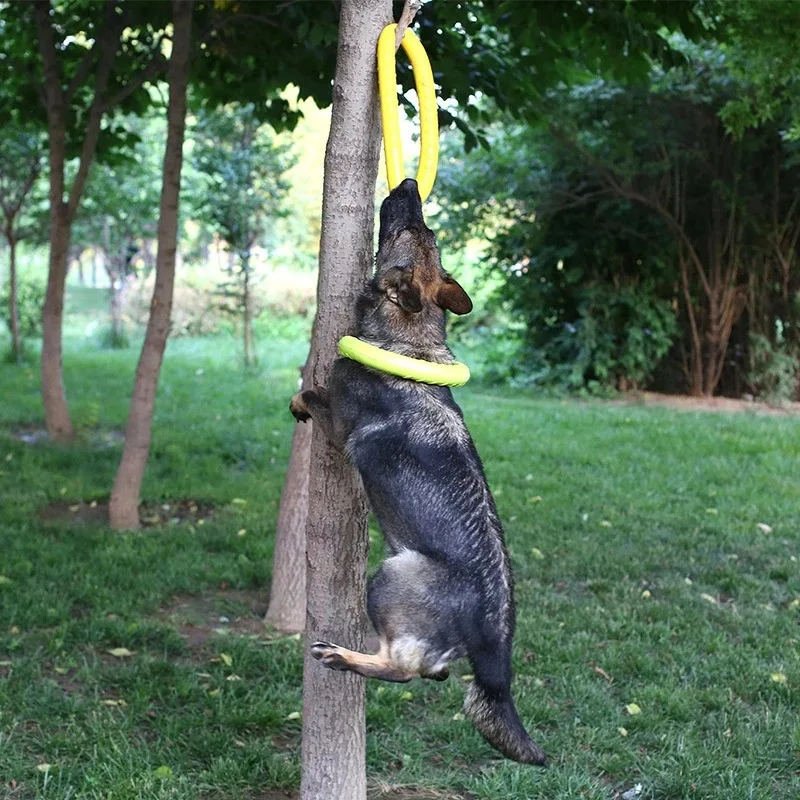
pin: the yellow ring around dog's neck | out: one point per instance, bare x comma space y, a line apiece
414, 369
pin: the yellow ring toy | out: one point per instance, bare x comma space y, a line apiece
428, 118
415, 369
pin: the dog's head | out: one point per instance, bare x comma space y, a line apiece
409, 269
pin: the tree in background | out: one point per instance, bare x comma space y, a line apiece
644, 228
67, 67
243, 186
124, 504
20, 166
118, 215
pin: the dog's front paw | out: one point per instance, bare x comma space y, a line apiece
299, 408
329, 655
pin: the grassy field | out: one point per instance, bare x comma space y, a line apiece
657, 588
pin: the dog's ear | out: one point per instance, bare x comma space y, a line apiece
399, 286
451, 295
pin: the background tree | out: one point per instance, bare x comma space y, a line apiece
639, 234
243, 170
124, 504
81, 43
117, 215
20, 166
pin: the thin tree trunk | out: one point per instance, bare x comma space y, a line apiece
246, 269
116, 312
16, 345
287, 599
56, 411
124, 506
334, 729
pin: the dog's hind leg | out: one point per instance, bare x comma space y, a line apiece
370, 666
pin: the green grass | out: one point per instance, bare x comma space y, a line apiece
642, 577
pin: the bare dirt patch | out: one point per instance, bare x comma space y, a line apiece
377, 792
96, 438
198, 618
385, 791
151, 515
728, 405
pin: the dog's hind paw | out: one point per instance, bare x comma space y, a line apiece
329, 655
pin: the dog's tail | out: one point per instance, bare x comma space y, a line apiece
490, 708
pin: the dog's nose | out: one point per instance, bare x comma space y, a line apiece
409, 185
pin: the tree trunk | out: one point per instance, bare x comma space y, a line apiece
116, 312
246, 298
124, 506
56, 411
334, 729
287, 599
13, 314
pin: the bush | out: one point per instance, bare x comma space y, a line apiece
774, 373
30, 299
616, 341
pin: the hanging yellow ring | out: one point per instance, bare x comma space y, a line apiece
428, 118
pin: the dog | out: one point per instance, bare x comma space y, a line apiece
446, 590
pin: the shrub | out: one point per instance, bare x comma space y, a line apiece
774, 370
30, 299
615, 341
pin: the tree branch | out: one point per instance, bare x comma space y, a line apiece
410, 10
156, 64
53, 94
81, 74
107, 44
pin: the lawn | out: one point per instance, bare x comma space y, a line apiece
658, 598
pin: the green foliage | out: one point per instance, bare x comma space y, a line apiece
775, 370
624, 231
242, 189
242, 174
121, 201
30, 299
21, 150
761, 40
618, 339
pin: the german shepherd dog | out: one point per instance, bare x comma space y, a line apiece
445, 591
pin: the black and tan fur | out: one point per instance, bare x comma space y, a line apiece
445, 591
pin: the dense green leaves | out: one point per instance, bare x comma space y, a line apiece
636, 225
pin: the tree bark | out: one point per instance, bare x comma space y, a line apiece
287, 599
56, 411
57, 420
16, 346
124, 506
334, 729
